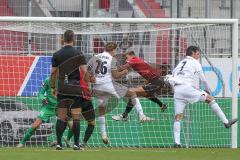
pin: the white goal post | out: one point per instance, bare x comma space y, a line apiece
190, 21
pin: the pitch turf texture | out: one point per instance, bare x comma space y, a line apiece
119, 154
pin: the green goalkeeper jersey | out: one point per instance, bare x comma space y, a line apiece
45, 92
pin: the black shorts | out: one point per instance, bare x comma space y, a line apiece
73, 102
158, 81
65, 101
88, 111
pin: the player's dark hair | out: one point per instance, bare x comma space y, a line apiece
191, 49
130, 53
110, 46
68, 36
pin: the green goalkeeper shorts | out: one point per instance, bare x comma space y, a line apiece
46, 113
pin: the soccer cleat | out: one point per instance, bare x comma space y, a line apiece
58, 147
230, 123
119, 118
163, 107
67, 142
144, 118
83, 145
20, 145
75, 147
105, 138
177, 145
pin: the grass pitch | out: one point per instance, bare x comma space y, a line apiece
119, 154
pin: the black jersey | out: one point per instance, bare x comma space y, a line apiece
68, 60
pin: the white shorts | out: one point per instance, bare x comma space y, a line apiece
184, 94
103, 92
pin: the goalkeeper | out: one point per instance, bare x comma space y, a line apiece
47, 111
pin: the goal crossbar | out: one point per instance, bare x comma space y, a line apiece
119, 20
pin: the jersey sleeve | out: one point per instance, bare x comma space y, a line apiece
54, 61
202, 77
82, 60
198, 67
114, 64
90, 64
43, 89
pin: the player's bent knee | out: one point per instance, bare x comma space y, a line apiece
178, 117
91, 123
37, 123
102, 110
209, 99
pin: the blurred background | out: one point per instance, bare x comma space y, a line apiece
122, 8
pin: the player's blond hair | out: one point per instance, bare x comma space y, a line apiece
131, 53
111, 46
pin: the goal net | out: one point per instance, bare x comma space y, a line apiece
26, 48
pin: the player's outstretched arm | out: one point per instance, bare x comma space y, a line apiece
123, 67
116, 74
87, 76
41, 92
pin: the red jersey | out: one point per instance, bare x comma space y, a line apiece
86, 90
143, 68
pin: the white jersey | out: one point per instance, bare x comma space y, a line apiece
101, 66
188, 71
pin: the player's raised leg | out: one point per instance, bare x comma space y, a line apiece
218, 111
129, 107
136, 103
46, 113
149, 91
30, 132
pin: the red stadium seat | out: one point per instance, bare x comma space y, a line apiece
154, 5
104, 4
12, 40
98, 45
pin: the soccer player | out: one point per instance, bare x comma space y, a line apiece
104, 68
150, 74
186, 90
66, 66
86, 95
47, 111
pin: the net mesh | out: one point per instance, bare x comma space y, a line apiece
25, 61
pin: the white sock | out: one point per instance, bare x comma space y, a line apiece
177, 129
138, 107
217, 110
102, 124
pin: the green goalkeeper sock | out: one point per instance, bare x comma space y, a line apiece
69, 134
27, 135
